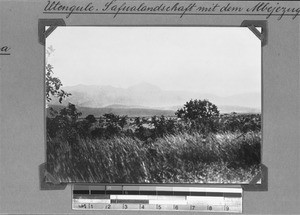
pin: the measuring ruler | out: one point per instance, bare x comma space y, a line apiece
158, 198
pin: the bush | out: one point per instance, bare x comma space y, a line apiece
200, 115
240, 122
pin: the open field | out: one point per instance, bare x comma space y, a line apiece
155, 150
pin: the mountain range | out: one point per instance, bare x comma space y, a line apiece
148, 96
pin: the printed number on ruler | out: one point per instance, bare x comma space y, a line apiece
86, 206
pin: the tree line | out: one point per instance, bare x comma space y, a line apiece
195, 116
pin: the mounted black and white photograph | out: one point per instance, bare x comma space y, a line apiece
153, 105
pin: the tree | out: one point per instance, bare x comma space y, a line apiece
70, 112
53, 84
200, 114
64, 122
198, 109
91, 118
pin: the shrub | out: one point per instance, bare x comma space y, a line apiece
200, 115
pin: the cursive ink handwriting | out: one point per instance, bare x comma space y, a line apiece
180, 8
4, 48
70, 9
267, 7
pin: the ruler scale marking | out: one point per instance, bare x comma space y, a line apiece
155, 198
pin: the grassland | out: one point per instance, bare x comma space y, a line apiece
184, 157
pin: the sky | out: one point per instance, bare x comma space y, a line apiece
218, 60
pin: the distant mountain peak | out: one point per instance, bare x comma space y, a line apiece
144, 86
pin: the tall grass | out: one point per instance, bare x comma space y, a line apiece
181, 158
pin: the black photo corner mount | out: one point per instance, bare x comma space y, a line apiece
52, 23
259, 182
253, 24
48, 182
